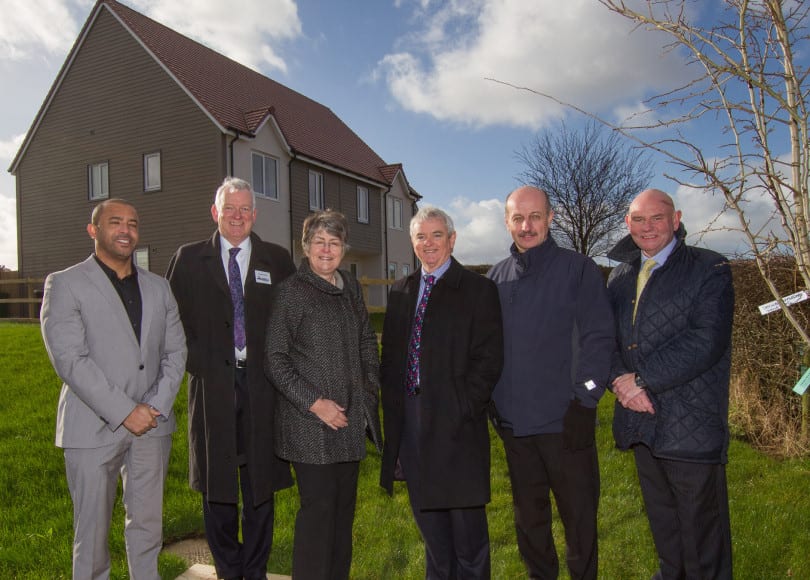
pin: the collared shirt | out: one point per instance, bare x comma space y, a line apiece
437, 273
243, 259
130, 294
661, 257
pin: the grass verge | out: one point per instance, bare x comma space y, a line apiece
770, 507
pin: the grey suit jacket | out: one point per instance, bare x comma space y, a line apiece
93, 349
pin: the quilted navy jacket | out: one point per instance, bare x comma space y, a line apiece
680, 346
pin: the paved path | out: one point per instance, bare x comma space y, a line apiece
206, 572
196, 553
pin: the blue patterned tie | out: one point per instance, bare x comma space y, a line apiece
238, 299
412, 380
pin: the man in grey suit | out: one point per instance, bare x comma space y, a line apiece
114, 336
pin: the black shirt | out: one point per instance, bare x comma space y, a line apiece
130, 294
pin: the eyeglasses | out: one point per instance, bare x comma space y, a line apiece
333, 245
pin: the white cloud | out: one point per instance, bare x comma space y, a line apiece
577, 51
482, 237
8, 205
8, 231
244, 30
29, 29
709, 225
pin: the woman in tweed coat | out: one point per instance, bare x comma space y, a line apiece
322, 357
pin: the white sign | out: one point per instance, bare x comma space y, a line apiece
788, 300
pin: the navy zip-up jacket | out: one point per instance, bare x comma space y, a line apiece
558, 336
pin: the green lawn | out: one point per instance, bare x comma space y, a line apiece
770, 504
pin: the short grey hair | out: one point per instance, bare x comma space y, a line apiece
229, 185
332, 222
430, 212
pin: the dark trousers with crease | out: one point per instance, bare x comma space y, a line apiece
233, 559
538, 466
322, 549
456, 540
687, 507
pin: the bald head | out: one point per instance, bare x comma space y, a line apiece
528, 192
528, 216
652, 221
652, 195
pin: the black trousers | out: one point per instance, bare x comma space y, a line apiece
247, 559
687, 507
322, 548
538, 466
456, 540
233, 559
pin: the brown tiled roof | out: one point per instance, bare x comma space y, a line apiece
239, 98
389, 173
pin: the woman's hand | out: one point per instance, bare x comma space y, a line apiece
330, 413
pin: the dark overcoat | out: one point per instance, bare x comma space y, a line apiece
461, 360
200, 286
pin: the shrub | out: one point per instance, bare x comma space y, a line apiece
767, 360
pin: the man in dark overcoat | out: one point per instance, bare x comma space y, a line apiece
435, 415
230, 399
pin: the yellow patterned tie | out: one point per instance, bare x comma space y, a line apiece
643, 276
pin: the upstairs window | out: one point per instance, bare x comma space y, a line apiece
98, 181
316, 190
151, 172
362, 204
395, 213
265, 180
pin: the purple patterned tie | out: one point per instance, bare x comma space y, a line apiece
412, 380
238, 299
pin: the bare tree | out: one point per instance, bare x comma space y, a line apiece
590, 176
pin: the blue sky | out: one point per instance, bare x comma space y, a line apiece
408, 76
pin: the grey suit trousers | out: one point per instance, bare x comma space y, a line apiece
92, 477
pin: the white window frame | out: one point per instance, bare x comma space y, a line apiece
362, 204
152, 178
141, 256
392, 270
406, 270
316, 201
98, 181
395, 213
262, 186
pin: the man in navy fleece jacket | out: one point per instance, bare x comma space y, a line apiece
558, 341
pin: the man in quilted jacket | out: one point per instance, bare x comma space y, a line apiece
670, 376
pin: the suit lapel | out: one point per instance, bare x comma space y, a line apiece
148, 298
212, 257
99, 279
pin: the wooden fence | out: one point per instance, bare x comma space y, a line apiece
21, 298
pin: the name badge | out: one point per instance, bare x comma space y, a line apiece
262, 277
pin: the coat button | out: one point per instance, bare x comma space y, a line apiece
140, 368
